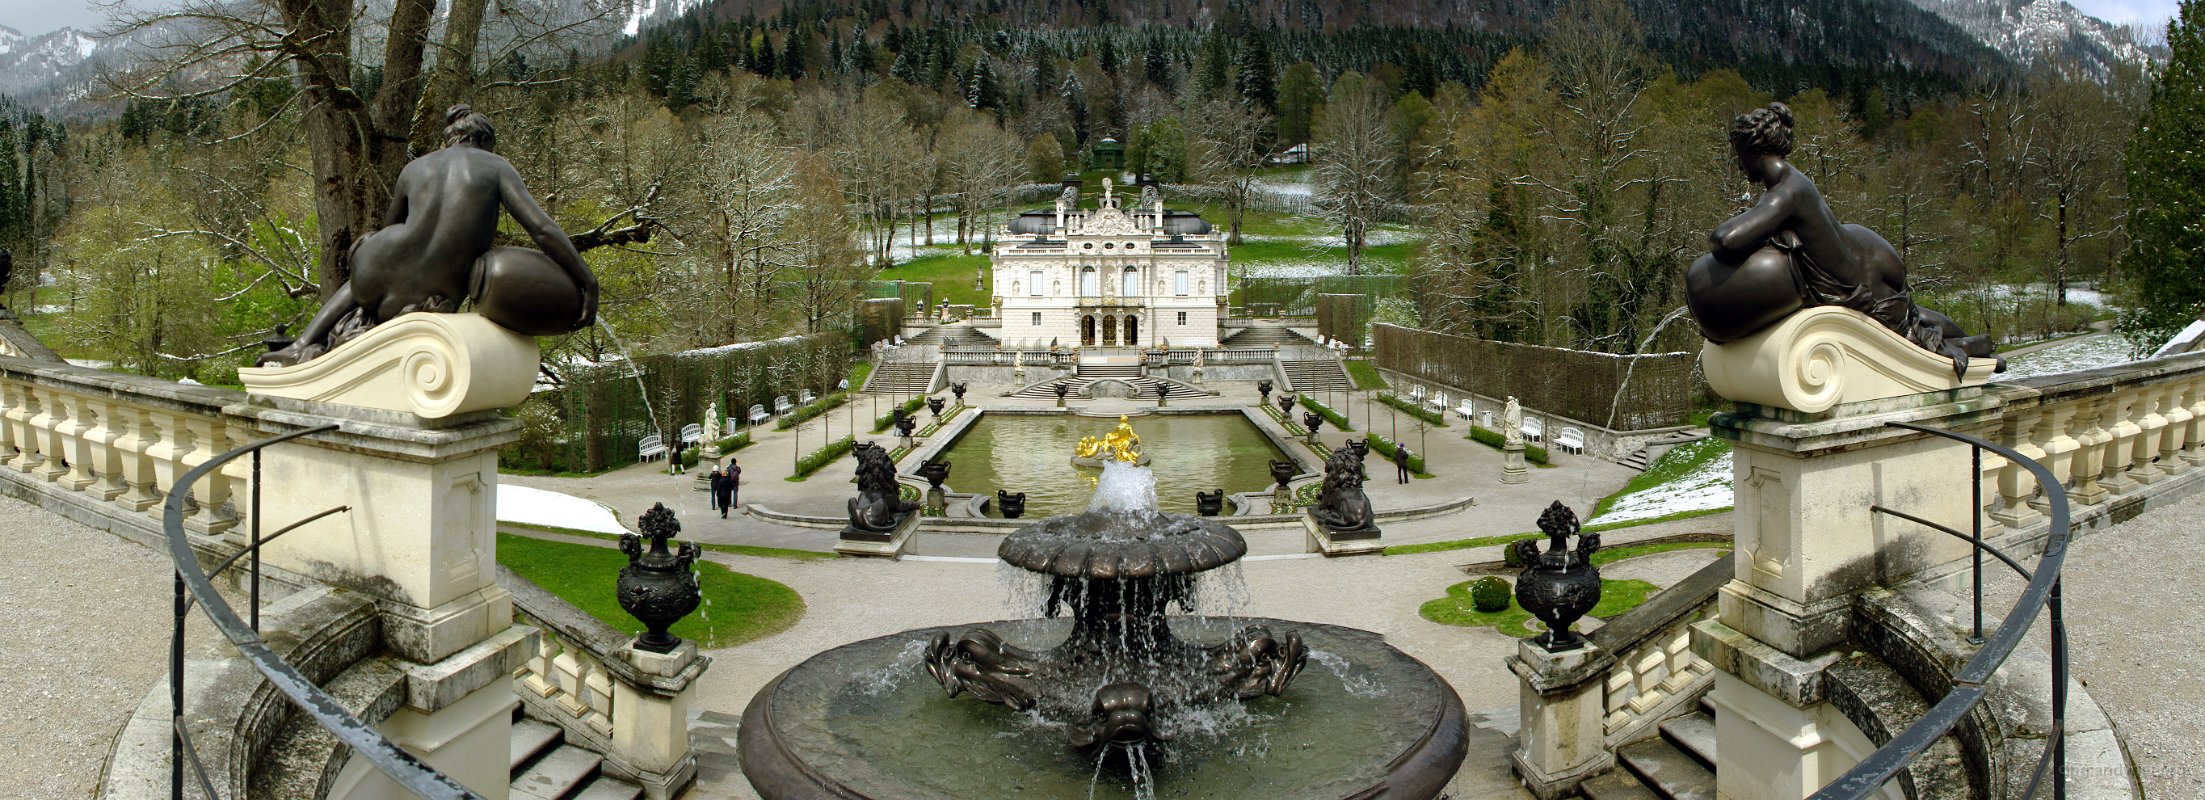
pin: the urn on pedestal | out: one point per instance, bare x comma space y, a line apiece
1286, 406
1263, 393
658, 586
935, 404
1062, 390
959, 390
1559, 585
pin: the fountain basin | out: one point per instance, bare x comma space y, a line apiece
1364, 720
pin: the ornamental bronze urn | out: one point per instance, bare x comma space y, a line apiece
959, 390
905, 423
1559, 585
1286, 406
658, 587
1284, 472
935, 472
1263, 392
935, 405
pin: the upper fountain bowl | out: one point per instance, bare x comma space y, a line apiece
1103, 545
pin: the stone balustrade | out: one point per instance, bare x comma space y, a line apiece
1655, 675
629, 705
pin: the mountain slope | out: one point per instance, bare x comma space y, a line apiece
2024, 29
31, 63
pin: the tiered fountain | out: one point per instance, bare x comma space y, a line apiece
1123, 697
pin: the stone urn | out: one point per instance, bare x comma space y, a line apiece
1559, 585
905, 423
1284, 471
935, 404
1311, 421
658, 586
1013, 506
1263, 392
1361, 448
1062, 390
1209, 504
959, 390
935, 472
1163, 390
1286, 406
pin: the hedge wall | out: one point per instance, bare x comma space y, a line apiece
1344, 317
1577, 384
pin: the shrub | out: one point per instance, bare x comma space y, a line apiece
807, 411
1333, 418
1366, 376
910, 407
1493, 439
823, 456
689, 457
1385, 447
1491, 594
1509, 557
1411, 408
733, 443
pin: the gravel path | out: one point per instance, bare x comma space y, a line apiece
86, 638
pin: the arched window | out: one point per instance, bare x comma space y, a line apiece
1088, 282
1132, 283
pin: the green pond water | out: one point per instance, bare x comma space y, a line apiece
1033, 454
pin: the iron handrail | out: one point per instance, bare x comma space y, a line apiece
1969, 685
393, 761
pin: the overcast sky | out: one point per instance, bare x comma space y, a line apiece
35, 17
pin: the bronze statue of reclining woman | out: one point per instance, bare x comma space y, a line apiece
434, 251
1789, 252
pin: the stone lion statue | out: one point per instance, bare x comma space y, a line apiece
879, 504
1341, 504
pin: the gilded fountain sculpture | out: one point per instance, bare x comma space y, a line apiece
1121, 444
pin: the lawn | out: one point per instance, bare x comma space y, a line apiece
1692, 478
737, 608
1456, 608
950, 273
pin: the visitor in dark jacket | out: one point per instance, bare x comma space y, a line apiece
1401, 462
712, 487
725, 486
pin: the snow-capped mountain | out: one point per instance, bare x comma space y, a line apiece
650, 12
2025, 29
30, 64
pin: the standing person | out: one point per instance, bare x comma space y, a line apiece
1401, 462
712, 487
674, 465
725, 488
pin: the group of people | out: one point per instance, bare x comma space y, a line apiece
723, 485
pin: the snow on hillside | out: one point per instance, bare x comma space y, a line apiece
2023, 29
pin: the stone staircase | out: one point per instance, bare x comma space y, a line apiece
1643, 457
1123, 372
902, 377
1261, 335
1677, 765
959, 335
1143, 385
1319, 375
546, 767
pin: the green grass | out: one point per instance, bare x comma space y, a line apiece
1602, 557
1680, 461
738, 608
1616, 597
1365, 375
859, 371
732, 549
1488, 541
950, 273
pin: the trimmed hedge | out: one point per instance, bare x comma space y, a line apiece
734, 443
1412, 408
1338, 423
912, 406
823, 456
1493, 439
1490, 594
808, 411
1385, 447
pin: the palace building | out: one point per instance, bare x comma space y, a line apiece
1110, 276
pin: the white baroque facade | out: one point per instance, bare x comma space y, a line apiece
1110, 277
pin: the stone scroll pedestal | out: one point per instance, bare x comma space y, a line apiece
1513, 469
893, 544
1828, 356
431, 365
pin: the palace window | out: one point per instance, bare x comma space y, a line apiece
1180, 283
1132, 283
1033, 283
1037, 319
1089, 285
1182, 317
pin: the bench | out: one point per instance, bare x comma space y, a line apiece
1438, 402
649, 448
1465, 411
806, 397
758, 415
1570, 440
781, 405
1533, 429
1416, 393
692, 433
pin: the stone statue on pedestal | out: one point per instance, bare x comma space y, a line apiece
1512, 423
435, 252
1342, 507
712, 430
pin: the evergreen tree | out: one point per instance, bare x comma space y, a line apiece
1300, 96
1211, 67
1255, 82
1107, 57
1156, 67
981, 89
792, 53
2165, 263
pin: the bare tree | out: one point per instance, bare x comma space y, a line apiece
1355, 162
2082, 130
822, 250
1227, 142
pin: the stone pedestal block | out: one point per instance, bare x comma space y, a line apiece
651, 733
1513, 469
1564, 737
1341, 543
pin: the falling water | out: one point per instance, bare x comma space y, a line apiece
1357, 682
633, 370
1125, 489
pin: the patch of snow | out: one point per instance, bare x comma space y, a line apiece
2083, 353
532, 506
1702, 489
2182, 341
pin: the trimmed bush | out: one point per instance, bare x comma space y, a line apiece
1490, 594
1493, 439
807, 411
823, 456
1385, 447
1411, 408
1333, 418
733, 443
689, 457
912, 406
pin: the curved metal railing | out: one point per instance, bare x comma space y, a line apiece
194, 585
1971, 683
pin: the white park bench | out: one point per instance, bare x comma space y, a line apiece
806, 397
781, 405
1533, 429
692, 433
1416, 393
758, 415
1438, 402
1570, 440
1465, 411
649, 448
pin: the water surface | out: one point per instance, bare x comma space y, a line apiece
1033, 454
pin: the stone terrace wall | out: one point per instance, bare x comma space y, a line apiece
1636, 392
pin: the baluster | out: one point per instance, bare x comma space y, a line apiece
2193, 440
2177, 433
2151, 423
2010, 481
1618, 689
52, 449
2090, 452
538, 676
237, 478
105, 461
2059, 447
134, 450
11, 399
76, 443
212, 491
601, 701
1682, 663
567, 670
27, 431
168, 454
2119, 422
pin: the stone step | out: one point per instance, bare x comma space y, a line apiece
607, 787
303, 751
1694, 734
1616, 784
1670, 772
559, 775
531, 740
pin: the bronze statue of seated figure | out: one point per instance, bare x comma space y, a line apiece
1789, 252
435, 251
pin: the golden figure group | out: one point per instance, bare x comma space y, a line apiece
1121, 443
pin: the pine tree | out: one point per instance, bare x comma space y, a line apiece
1156, 67
792, 53
1255, 83
1300, 95
2165, 263
981, 89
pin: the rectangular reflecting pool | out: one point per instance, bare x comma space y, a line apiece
1033, 454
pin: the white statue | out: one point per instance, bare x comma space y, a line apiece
1512, 423
1198, 358
712, 423
1018, 365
